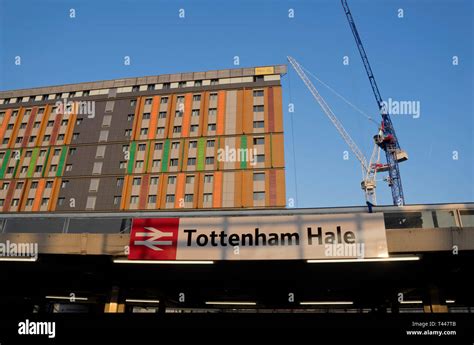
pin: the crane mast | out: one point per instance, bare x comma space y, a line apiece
388, 140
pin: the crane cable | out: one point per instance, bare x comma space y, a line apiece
342, 97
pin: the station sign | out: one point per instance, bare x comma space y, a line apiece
294, 237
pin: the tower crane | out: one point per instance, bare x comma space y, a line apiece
369, 169
386, 139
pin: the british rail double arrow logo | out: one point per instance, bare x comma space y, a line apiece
154, 238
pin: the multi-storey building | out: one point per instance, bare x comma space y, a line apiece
192, 140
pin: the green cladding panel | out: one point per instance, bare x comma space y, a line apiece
166, 154
201, 152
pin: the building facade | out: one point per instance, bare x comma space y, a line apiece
181, 141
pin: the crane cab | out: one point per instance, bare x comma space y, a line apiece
368, 185
401, 156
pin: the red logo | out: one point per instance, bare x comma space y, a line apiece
154, 239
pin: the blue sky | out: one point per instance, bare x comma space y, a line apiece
411, 58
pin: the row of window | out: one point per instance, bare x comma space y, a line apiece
34, 185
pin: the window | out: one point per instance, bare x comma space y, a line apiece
135, 88
190, 179
94, 185
15, 113
133, 103
209, 160
196, 98
152, 199
49, 184
72, 151
57, 152
24, 169
78, 121
214, 81
5, 185
213, 97
144, 131
2, 202
61, 201
258, 196
193, 144
166, 86
195, 112
160, 130
128, 132
207, 197
178, 113
180, 99
174, 162
150, 87
53, 168
258, 93
169, 198
171, 179
29, 201
7, 101
258, 78
130, 117
10, 170
134, 199
177, 129
100, 152
64, 122
61, 137
120, 182
90, 204
64, 183
15, 202
191, 161
123, 165
158, 146
97, 168
210, 143
258, 141
198, 83
153, 180
125, 148
175, 145
259, 177
139, 164
148, 100
141, 147
86, 93
212, 112
19, 185
156, 163
2, 154
194, 128
68, 167
211, 127
188, 198
10, 126
137, 181
34, 185
27, 154
146, 116
40, 111
117, 200
164, 100
75, 136
162, 115
19, 140
72, 94
258, 124
260, 158
39, 169
5, 141
32, 139
44, 201
258, 108
182, 84
36, 124
23, 126
208, 178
